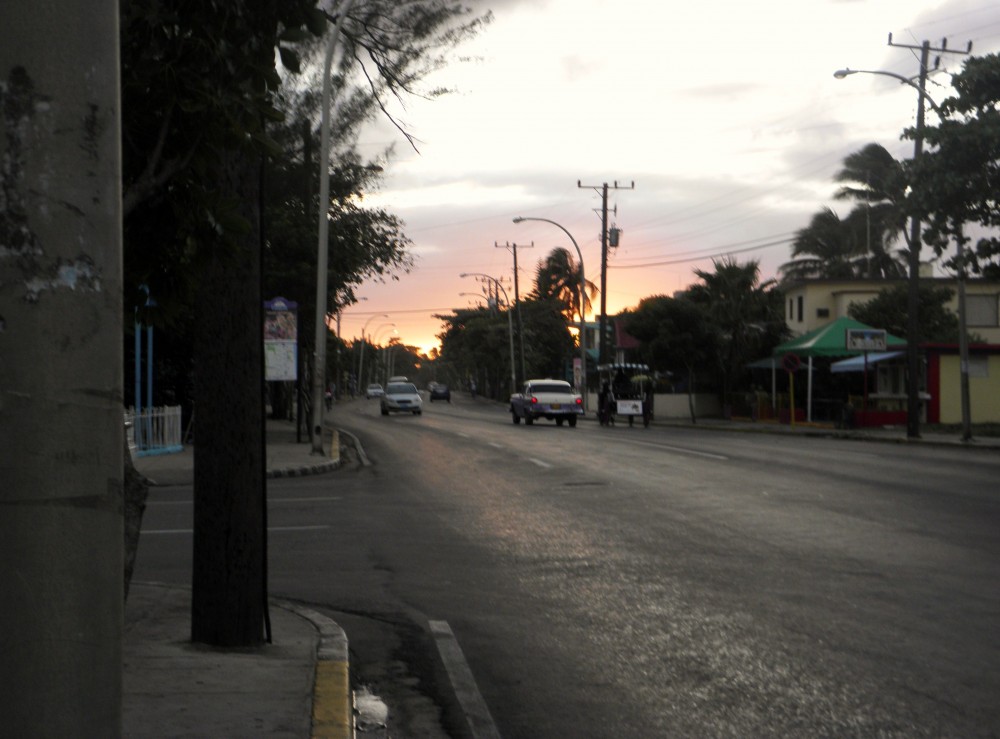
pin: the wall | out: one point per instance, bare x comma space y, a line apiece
984, 392
674, 405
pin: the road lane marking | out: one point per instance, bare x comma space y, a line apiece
270, 500
155, 532
496, 445
540, 463
477, 713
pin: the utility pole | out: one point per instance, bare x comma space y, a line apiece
517, 301
61, 320
602, 350
913, 294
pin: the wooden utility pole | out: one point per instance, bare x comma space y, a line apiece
913, 284
602, 350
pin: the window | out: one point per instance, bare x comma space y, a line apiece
979, 366
822, 312
791, 309
981, 310
801, 307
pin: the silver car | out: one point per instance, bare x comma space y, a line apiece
401, 397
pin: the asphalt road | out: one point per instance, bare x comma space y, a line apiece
647, 582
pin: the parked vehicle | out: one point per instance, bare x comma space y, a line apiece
374, 391
401, 397
440, 391
555, 400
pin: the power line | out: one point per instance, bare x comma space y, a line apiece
782, 242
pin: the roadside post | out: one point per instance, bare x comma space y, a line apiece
791, 363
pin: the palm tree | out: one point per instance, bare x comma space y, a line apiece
558, 278
828, 247
860, 244
877, 182
746, 312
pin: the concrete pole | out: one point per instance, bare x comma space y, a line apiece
61, 379
322, 248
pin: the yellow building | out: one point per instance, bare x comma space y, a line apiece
810, 304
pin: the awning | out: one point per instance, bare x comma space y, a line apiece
857, 364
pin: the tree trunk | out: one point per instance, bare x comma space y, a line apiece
136, 491
228, 582
61, 413
691, 394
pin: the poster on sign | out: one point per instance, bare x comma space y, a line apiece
280, 340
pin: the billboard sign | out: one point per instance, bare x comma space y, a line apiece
866, 339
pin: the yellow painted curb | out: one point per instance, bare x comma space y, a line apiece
335, 446
331, 713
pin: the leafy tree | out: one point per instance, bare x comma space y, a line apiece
199, 88
548, 344
475, 344
557, 277
746, 314
957, 180
676, 336
888, 310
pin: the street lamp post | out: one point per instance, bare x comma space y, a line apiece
376, 337
913, 294
319, 362
361, 359
583, 297
474, 295
510, 323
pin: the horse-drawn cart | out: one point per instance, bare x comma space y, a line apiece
626, 389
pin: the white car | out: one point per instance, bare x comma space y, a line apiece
374, 391
401, 397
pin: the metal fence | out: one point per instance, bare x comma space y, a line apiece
154, 430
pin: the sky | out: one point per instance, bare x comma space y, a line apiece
723, 114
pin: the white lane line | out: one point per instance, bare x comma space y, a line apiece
162, 532
680, 450
324, 499
477, 714
496, 445
540, 463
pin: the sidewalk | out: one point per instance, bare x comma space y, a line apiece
298, 686
889, 434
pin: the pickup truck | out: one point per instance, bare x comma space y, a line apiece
552, 399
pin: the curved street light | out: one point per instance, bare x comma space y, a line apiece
847, 71
583, 297
376, 338
361, 359
510, 323
913, 285
474, 295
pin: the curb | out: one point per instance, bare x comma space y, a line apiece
332, 709
304, 471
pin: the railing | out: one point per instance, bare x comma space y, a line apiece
154, 430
